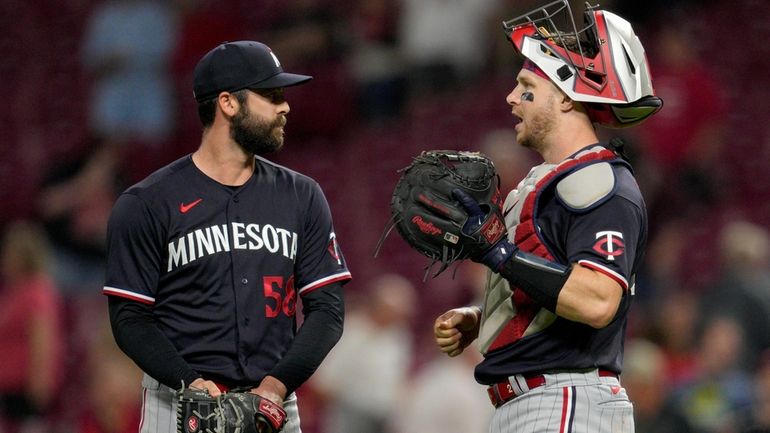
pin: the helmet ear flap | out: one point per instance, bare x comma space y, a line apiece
635, 112
624, 115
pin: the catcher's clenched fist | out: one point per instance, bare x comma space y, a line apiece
456, 329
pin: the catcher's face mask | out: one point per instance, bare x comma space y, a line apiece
602, 65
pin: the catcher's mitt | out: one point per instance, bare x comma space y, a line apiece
237, 412
427, 212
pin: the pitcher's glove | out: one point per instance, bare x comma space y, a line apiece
237, 412
428, 207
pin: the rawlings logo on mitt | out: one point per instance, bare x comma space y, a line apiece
428, 216
237, 412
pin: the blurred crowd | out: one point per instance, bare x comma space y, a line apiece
98, 95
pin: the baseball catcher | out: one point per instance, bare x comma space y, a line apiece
446, 205
232, 412
560, 285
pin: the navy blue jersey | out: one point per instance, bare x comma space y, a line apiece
609, 237
222, 267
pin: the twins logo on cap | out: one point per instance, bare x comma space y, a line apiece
275, 59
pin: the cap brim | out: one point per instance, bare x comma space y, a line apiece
284, 79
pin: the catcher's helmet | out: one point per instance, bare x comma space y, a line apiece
602, 65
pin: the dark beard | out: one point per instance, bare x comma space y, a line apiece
538, 129
253, 135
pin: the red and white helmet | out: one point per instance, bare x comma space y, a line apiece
602, 65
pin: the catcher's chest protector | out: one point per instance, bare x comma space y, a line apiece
505, 322
520, 205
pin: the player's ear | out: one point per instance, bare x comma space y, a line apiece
566, 104
228, 104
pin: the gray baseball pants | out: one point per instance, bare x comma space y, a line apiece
568, 403
159, 409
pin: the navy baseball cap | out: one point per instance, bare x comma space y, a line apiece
240, 65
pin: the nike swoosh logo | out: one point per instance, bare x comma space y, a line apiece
186, 207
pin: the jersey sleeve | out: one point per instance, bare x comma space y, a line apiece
133, 251
320, 260
606, 239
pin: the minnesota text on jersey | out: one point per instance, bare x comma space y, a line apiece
240, 236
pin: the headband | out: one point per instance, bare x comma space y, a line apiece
532, 67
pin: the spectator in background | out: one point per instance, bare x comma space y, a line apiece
127, 50
221, 24
31, 330
512, 161
375, 60
426, 407
682, 143
673, 328
743, 291
664, 263
111, 402
444, 398
307, 34
721, 393
445, 42
364, 375
74, 204
644, 377
758, 420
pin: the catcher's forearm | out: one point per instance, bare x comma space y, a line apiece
541, 279
137, 335
324, 311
